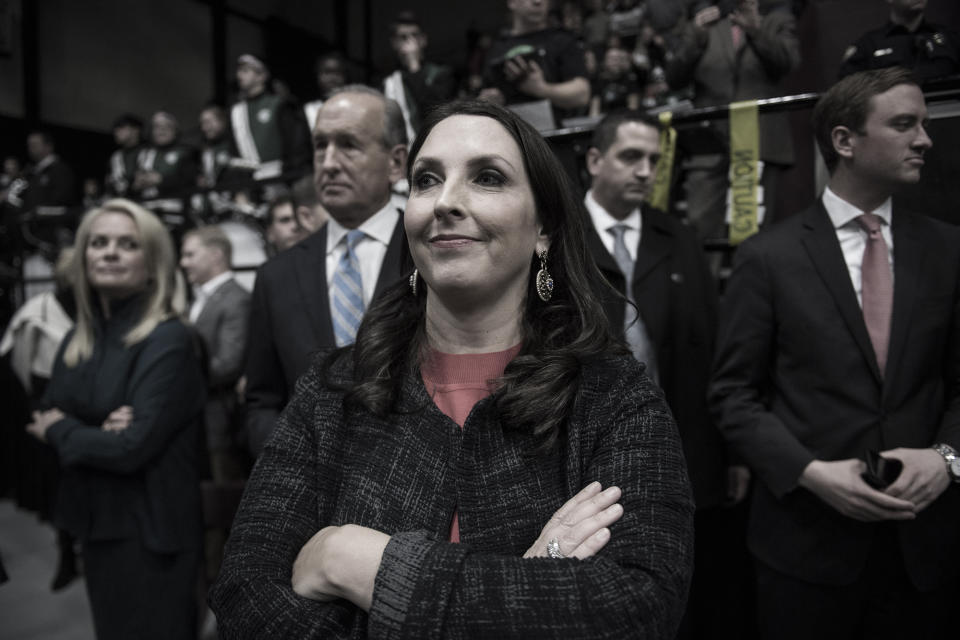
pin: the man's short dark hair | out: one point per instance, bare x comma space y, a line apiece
405, 18
278, 202
847, 104
213, 236
605, 133
127, 120
217, 108
331, 55
45, 136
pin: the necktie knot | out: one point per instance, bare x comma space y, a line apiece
871, 222
353, 237
618, 230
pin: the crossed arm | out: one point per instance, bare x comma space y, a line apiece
283, 577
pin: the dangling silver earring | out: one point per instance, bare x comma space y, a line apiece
544, 279
413, 282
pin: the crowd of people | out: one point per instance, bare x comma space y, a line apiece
467, 398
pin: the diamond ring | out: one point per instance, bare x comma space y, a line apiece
553, 549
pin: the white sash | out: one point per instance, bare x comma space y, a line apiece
242, 134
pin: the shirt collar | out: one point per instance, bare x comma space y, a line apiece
842, 212
602, 219
379, 227
211, 285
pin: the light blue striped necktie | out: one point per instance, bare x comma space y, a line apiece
634, 328
347, 288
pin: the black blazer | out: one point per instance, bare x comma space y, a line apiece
796, 379
290, 321
677, 298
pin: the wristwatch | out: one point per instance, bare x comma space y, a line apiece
952, 459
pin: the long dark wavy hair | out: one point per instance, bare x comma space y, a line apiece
537, 391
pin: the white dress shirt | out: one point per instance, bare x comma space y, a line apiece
202, 293
603, 222
370, 250
853, 237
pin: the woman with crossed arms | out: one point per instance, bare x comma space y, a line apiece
487, 460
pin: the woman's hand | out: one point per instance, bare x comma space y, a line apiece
340, 562
42, 421
119, 419
580, 525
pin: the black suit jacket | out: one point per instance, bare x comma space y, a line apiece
796, 379
290, 321
677, 299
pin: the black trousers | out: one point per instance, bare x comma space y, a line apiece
136, 593
881, 604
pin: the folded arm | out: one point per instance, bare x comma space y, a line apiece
165, 389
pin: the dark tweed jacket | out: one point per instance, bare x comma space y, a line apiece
405, 475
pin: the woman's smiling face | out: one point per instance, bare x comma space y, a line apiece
471, 218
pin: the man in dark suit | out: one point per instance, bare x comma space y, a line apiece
840, 334
220, 313
656, 263
302, 300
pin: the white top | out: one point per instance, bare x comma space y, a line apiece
377, 229
603, 221
853, 237
203, 292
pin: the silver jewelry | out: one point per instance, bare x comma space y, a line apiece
952, 458
413, 282
544, 279
553, 550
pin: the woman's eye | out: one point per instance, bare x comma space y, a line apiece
424, 180
98, 242
129, 244
490, 178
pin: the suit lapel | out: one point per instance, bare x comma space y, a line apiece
211, 306
310, 274
602, 257
907, 265
655, 242
394, 260
613, 306
820, 240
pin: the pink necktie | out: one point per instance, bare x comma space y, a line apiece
877, 289
736, 32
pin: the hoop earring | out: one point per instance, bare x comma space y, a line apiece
413, 282
544, 279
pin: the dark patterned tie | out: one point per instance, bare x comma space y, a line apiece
877, 287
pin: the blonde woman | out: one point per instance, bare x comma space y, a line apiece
125, 401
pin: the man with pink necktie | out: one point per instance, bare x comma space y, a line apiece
840, 337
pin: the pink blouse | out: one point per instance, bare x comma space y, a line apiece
458, 381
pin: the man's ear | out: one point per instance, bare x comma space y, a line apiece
843, 141
593, 160
398, 162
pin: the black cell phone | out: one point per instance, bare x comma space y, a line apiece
881, 472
